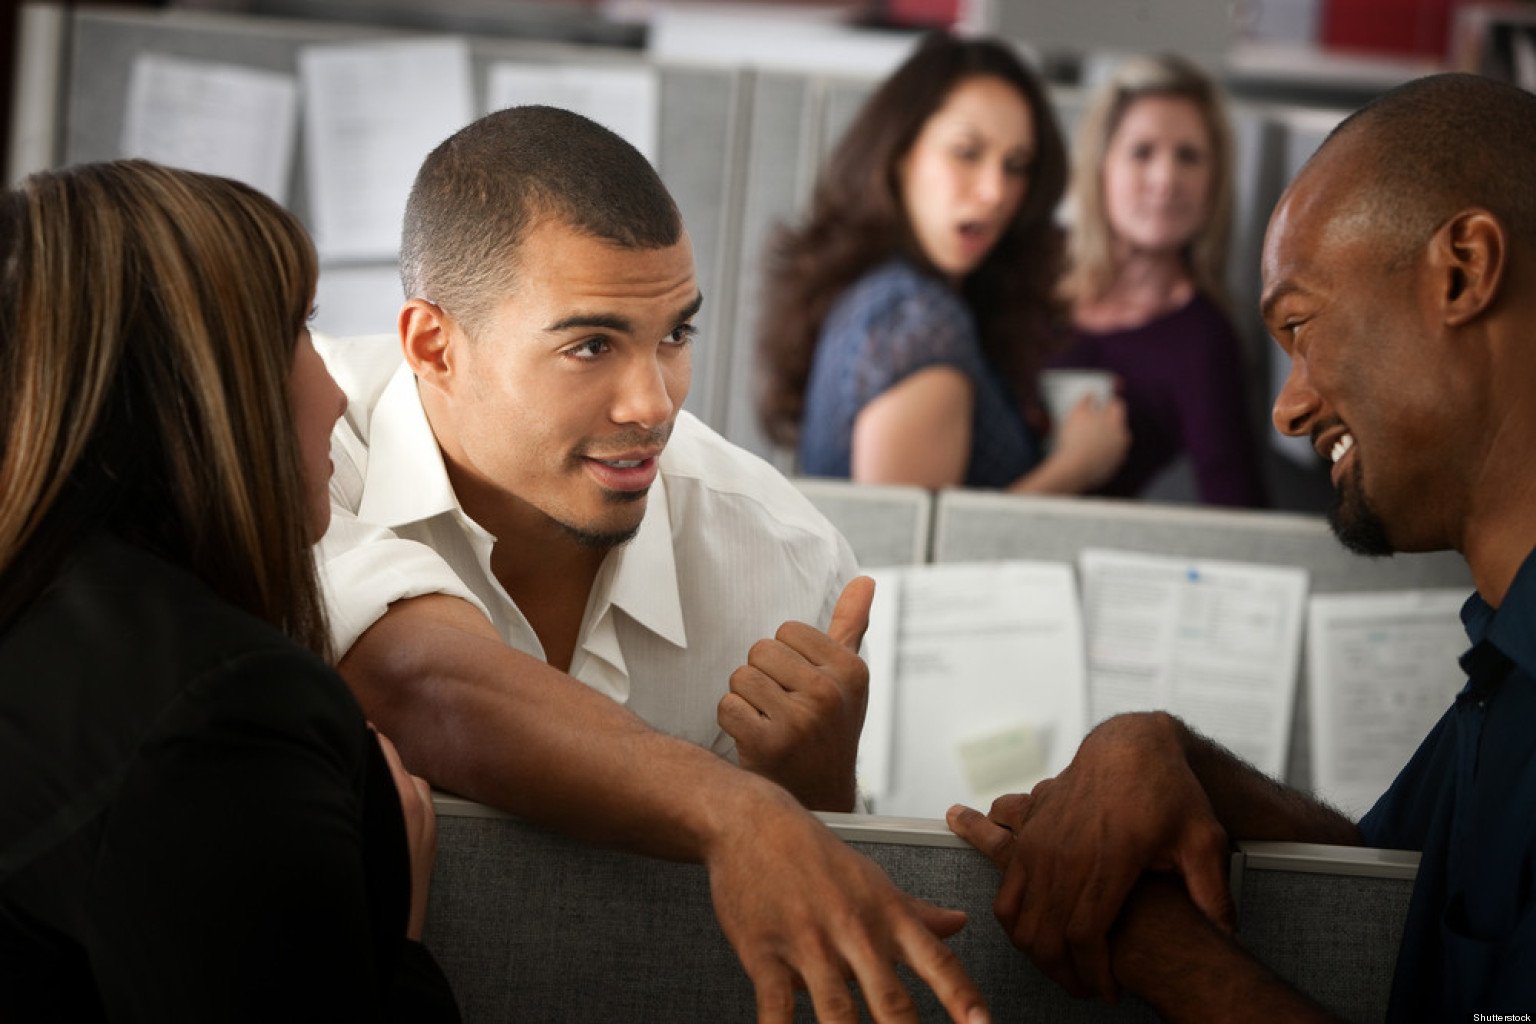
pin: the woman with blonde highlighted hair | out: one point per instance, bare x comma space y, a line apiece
1152, 197
196, 823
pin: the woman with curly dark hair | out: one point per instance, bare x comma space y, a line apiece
905, 321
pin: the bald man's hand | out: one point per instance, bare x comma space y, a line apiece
1073, 849
796, 708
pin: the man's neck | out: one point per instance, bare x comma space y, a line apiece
550, 580
545, 570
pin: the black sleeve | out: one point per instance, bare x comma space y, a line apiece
232, 880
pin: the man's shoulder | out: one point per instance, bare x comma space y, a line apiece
700, 467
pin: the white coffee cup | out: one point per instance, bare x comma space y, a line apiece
1061, 390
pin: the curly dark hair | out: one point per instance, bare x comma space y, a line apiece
857, 222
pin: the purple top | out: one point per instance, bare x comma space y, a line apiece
1184, 388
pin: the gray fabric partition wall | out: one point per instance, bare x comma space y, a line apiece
885, 525
780, 165
533, 927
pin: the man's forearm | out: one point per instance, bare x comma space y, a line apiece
490, 723
1251, 805
1165, 951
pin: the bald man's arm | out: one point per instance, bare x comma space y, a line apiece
1165, 950
493, 724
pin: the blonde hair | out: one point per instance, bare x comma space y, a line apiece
150, 318
1090, 249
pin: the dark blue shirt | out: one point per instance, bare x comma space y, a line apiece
1467, 800
891, 323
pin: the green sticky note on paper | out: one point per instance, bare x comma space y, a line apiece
1009, 760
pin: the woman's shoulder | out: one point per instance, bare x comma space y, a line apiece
123, 653
897, 287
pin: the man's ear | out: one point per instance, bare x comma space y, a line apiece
429, 337
1468, 257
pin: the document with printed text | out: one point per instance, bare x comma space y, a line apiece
223, 119
372, 114
621, 99
1382, 668
1216, 643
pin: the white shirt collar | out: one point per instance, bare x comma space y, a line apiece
406, 480
645, 572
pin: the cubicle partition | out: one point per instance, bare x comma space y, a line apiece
887, 525
531, 926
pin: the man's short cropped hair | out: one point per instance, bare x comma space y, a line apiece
479, 192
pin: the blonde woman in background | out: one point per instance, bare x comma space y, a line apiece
1152, 190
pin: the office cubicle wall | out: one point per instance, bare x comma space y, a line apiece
1292, 896
886, 525
532, 926
972, 525
781, 164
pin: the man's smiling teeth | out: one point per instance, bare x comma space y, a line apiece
621, 463
1342, 445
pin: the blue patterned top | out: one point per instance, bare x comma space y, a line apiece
893, 322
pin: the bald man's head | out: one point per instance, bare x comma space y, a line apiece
1423, 151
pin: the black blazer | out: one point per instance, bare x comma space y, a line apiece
195, 822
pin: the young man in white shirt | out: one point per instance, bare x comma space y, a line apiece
518, 495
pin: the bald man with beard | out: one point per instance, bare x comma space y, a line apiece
1400, 277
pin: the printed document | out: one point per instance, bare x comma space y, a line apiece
372, 113
621, 99
1216, 643
224, 119
1382, 669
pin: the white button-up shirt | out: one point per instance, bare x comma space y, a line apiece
727, 551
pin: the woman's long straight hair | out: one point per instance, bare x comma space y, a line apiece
148, 324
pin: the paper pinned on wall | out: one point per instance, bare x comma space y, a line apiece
217, 118
1381, 669
988, 694
372, 114
621, 99
1216, 643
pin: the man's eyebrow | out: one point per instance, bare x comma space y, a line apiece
691, 310
1272, 298
614, 322
609, 321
